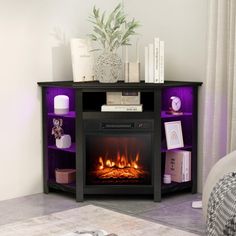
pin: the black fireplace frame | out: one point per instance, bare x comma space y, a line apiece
152, 97
119, 128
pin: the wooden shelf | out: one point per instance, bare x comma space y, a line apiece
182, 148
71, 188
117, 86
173, 187
165, 115
71, 149
70, 114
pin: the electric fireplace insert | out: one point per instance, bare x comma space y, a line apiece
118, 152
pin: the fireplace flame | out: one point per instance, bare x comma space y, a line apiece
121, 161
121, 166
101, 165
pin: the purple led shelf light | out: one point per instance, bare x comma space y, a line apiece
184, 93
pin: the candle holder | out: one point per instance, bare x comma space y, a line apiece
132, 72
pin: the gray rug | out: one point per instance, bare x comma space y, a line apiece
88, 218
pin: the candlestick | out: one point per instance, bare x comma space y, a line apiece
126, 54
137, 50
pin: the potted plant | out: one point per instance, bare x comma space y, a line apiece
111, 32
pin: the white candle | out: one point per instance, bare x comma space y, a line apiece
137, 50
126, 54
123, 5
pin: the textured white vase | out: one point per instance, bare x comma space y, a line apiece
108, 68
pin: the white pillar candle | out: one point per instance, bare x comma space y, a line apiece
137, 50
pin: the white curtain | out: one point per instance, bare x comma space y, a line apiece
220, 92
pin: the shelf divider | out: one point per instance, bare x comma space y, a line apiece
165, 115
71, 149
182, 148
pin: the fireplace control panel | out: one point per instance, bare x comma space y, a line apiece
134, 125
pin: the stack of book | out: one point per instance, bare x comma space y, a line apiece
154, 62
122, 102
178, 165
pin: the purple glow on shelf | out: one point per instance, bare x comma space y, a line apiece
54, 91
72, 148
70, 114
183, 148
166, 115
184, 93
68, 124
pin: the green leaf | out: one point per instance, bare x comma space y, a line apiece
113, 30
99, 31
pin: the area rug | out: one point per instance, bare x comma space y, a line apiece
88, 218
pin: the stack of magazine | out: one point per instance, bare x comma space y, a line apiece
122, 102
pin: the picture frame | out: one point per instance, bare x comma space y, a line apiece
174, 135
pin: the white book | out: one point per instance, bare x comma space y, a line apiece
82, 60
188, 165
183, 161
122, 108
151, 62
162, 61
156, 60
146, 65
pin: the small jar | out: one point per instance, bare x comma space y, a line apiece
167, 179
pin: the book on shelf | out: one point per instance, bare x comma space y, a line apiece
146, 66
122, 108
156, 60
150, 63
178, 165
162, 61
82, 60
123, 98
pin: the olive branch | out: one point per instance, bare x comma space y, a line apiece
114, 30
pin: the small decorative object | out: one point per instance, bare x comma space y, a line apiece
132, 69
174, 136
111, 32
64, 141
82, 60
174, 106
167, 179
197, 204
61, 104
122, 98
65, 176
57, 130
134, 72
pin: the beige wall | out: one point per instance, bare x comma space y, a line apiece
29, 53
182, 25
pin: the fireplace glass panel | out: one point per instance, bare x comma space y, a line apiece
118, 160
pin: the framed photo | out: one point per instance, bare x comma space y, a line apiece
174, 135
